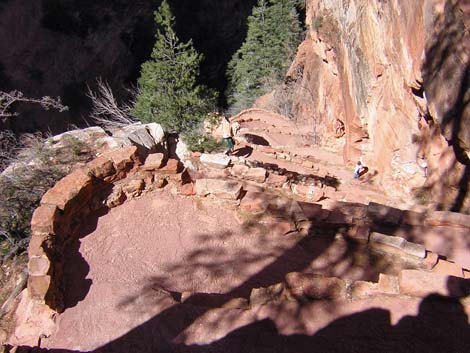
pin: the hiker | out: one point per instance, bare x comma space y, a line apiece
423, 164
358, 170
227, 135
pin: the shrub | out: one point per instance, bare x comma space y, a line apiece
199, 142
34, 170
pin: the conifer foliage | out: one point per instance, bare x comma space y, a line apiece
169, 92
262, 61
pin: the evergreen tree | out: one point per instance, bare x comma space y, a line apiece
169, 92
262, 61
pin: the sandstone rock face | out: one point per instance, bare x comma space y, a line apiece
374, 79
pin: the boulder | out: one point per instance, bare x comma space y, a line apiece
33, 319
116, 198
413, 218
107, 143
219, 160
356, 210
35, 247
336, 218
123, 158
430, 260
90, 136
182, 151
313, 211
139, 136
256, 174
275, 180
239, 170
101, 167
286, 209
153, 161
133, 187
359, 232
156, 131
187, 189
223, 189
172, 166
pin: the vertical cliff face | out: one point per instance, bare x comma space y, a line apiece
381, 79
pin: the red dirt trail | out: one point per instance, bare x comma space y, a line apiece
124, 271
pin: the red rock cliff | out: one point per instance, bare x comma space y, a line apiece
382, 80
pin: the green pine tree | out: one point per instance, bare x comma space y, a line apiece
262, 61
169, 92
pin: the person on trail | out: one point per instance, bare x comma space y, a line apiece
227, 135
358, 169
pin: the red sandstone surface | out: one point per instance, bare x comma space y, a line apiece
124, 288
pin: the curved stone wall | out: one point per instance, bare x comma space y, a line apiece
100, 184
62, 208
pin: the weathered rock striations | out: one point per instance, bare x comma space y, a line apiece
382, 80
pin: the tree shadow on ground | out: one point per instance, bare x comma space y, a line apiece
194, 326
441, 325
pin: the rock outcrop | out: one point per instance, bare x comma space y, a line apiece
382, 81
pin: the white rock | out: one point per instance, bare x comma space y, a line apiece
88, 135
219, 160
156, 131
182, 151
138, 135
110, 142
395, 242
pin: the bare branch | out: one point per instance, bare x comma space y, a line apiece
7, 99
106, 110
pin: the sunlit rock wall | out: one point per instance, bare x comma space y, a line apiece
381, 79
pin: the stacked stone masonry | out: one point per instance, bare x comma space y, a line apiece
124, 173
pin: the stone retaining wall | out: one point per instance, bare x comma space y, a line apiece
99, 183
121, 174
54, 222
